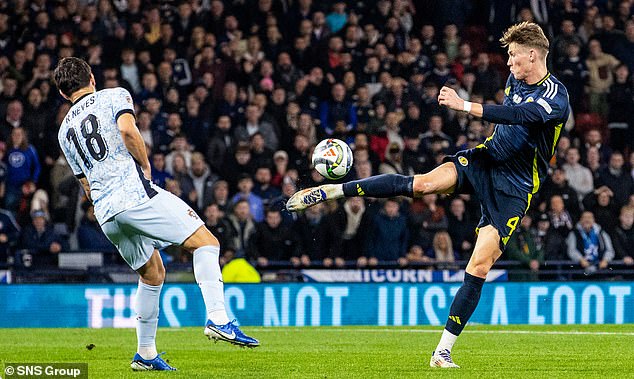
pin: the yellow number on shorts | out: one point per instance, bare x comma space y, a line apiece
512, 223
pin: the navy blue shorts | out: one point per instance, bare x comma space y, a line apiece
502, 205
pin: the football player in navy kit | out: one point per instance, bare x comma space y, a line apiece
504, 172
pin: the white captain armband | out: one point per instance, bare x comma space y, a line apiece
545, 105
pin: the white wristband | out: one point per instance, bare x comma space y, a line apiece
467, 106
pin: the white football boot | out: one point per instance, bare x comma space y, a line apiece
442, 359
311, 196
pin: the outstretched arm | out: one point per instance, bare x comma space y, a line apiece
520, 114
449, 98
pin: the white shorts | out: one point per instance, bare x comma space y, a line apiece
162, 221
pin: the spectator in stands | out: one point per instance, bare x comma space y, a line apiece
548, 240
594, 163
41, 240
442, 251
389, 235
9, 234
435, 140
8, 94
589, 245
608, 35
441, 72
159, 174
180, 172
623, 236
426, 217
343, 235
274, 241
338, 116
178, 146
37, 116
254, 124
621, 96
560, 219
242, 228
617, 179
263, 187
573, 73
561, 42
601, 68
89, 234
624, 47
231, 105
562, 148
579, 177
557, 185
461, 228
219, 226
593, 138
522, 248
202, 181
393, 163
487, 79
144, 123
239, 164
601, 204
261, 154
220, 192
245, 192
220, 143
300, 155
22, 165
129, 69
174, 186
308, 228
451, 42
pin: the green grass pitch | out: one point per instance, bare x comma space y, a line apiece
590, 351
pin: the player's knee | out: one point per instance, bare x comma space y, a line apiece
481, 266
202, 237
154, 276
422, 186
479, 270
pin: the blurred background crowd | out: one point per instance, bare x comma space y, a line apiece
231, 97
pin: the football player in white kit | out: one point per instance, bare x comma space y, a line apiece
107, 154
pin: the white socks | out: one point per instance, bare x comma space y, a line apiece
209, 278
446, 341
147, 310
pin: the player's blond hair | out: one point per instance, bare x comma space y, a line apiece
526, 34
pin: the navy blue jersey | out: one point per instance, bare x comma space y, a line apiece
526, 132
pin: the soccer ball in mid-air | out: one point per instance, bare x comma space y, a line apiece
332, 158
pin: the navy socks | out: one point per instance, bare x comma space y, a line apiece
464, 303
386, 185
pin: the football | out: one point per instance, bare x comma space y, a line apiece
332, 158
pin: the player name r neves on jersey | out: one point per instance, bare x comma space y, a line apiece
80, 108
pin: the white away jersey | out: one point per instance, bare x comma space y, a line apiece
91, 141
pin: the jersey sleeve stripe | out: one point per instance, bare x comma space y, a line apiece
122, 112
547, 84
554, 92
549, 88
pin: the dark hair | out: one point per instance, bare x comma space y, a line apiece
71, 74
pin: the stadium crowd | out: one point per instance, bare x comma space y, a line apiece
231, 96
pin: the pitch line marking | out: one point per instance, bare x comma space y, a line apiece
276, 329
438, 331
